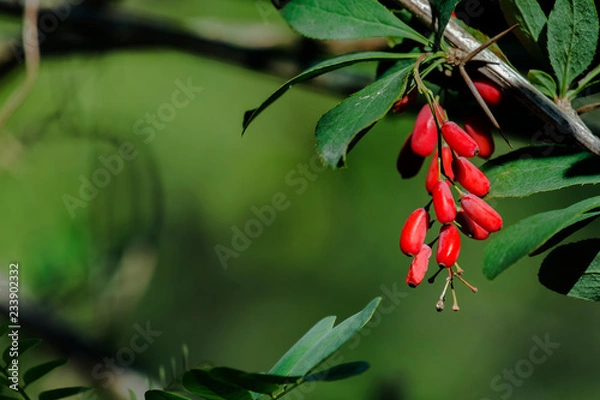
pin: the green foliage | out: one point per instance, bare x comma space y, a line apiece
345, 124
553, 168
544, 82
349, 19
292, 370
56, 394
572, 39
41, 370
528, 235
531, 19
574, 270
441, 10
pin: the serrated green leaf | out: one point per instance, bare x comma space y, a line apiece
41, 370
295, 353
201, 383
543, 82
345, 19
62, 393
161, 395
339, 372
572, 39
333, 340
531, 19
259, 383
573, 270
553, 167
341, 128
442, 11
524, 237
320, 69
24, 346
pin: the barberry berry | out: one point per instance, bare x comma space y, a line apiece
470, 177
480, 130
481, 213
418, 267
470, 228
425, 134
489, 91
433, 173
458, 140
443, 202
414, 232
448, 247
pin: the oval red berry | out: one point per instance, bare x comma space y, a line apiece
470, 228
424, 134
470, 177
481, 213
433, 174
408, 163
459, 141
418, 267
489, 91
480, 130
443, 202
414, 232
448, 247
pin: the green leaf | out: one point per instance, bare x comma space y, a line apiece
289, 360
339, 372
572, 39
531, 19
132, 395
553, 167
39, 371
543, 82
442, 11
24, 346
573, 270
259, 383
62, 393
345, 19
320, 69
333, 340
160, 395
524, 237
201, 383
341, 128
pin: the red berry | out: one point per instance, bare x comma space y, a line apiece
408, 163
481, 213
433, 175
470, 228
418, 267
443, 202
470, 177
448, 246
424, 134
479, 129
401, 105
458, 140
414, 232
489, 91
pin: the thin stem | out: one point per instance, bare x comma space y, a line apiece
484, 46
588, 108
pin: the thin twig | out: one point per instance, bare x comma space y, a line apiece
32, 62
566, 121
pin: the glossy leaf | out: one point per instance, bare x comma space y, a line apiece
345, 19
572, 39
543, 82
259, 383
24, 346
442, 11
62, 393
41, 370
339, 372
333, 340
161, 395
289, 360
320, 69
531, 19
341, 128
201, 383
524, 237
573, 270
553, 167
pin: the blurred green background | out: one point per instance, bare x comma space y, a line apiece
144, 248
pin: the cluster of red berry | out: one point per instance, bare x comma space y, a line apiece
474, 217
